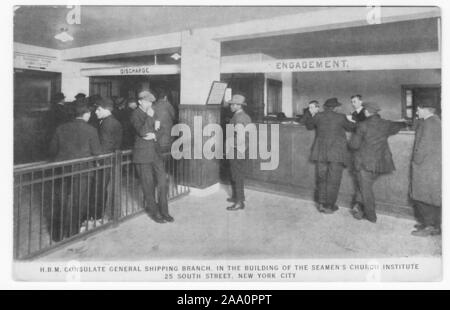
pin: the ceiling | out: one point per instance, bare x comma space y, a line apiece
390, 38
37, 25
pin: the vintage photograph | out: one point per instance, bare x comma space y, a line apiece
227, 143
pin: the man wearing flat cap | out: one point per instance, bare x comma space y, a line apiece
426, 171
148, 160
372, 158
329, 151
238, 165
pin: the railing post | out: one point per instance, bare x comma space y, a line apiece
117, 186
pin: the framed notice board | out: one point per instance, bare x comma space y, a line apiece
216, 93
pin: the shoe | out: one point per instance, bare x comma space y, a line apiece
158, 218
327, 211
321, 207
419, 226
168, 218
231, 199
358, 214
371, 220
426, 232
237, 206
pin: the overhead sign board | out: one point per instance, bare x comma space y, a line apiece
34, 62
428, 60
132, 70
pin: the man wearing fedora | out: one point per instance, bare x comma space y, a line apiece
238, 165
372, 158
148, 160
426, 171
329, 151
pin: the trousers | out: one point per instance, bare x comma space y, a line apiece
428, 214
147, 173
364, 193
237, 169
329, 175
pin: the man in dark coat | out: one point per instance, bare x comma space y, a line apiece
59, 113
358, 115
148, 160
426, 171
372, 158
72, 140
165, 115
110, 134
110, 130
329, 151
238, 165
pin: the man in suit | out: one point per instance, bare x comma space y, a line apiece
165, 115
372, 158
110, 134
238, 165
329, 151
148, 160
358, 115
72, 140
426, 171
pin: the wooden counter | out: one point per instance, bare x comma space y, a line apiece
296, 173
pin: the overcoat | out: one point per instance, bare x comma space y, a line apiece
426, 166
370, 142
330, 144
75, 139
110, 134
165, 113
144, 151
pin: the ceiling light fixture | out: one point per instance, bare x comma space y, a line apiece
176, 56
64, 36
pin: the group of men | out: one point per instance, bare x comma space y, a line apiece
368, 156
367, 153
75, 137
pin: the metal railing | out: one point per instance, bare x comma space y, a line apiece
57, 202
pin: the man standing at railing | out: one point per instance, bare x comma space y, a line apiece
148, 159
110, 130
110, 134
72, 140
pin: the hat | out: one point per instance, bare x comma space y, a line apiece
332, 103
427, 103
80, 95
106, 103
237, 99
147, 95
371, 107
58, 97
